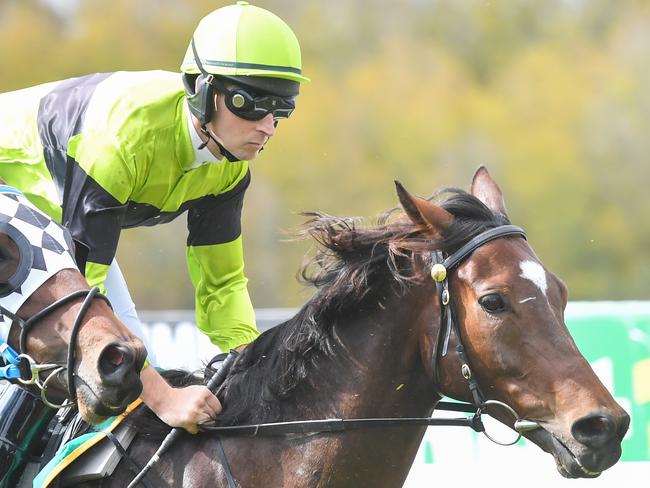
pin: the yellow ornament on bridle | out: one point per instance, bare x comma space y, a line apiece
438, 272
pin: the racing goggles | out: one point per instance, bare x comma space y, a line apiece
250, 106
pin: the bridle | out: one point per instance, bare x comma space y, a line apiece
48, 250
440, 266
27, 368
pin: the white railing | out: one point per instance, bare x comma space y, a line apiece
179, 344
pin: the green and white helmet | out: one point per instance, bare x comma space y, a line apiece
248, 45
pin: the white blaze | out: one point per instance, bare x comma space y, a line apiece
534, 272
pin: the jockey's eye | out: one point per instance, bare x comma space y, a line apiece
493, 303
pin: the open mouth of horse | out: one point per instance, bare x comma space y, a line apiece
569, 463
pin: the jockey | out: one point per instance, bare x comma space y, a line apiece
109, 151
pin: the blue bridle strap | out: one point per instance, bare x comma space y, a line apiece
11, 370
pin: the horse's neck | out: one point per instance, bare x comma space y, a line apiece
375, 371
378, 357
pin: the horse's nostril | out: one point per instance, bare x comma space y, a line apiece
114, 356
111, 359
596, 425
593, 430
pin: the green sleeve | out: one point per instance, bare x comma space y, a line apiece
95, 275
223, 307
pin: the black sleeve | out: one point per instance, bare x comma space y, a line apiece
94, 218
216, 219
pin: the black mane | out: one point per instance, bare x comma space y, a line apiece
353, 264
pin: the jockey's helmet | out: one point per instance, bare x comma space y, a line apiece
248, 46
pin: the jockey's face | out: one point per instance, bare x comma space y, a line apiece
244, 138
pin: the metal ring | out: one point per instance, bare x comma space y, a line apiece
35, 368
466, 371
31, 362
66, 403
511, 411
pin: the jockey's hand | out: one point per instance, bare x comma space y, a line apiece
178, 407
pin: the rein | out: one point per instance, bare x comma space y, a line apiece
25, 369
340, 425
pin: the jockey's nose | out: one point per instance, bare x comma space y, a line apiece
267, 125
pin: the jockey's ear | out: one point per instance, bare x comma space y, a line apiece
487, 191
431, 217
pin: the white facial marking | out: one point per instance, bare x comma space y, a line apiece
528, 299
534, 272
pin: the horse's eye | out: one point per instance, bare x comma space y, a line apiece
493, 303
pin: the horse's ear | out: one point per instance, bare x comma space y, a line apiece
423, 212
486, 190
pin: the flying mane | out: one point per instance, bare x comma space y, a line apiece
353, 265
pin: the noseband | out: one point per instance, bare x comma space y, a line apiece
448, 323
29, 370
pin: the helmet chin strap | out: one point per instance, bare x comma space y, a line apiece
227, 154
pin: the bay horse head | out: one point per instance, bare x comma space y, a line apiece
71, 344
509, 310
